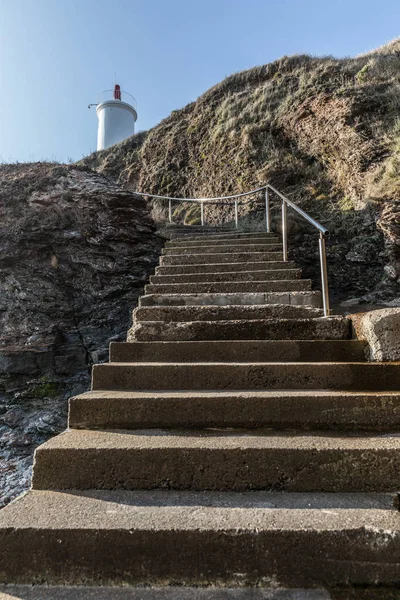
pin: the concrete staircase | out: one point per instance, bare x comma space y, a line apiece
240, 438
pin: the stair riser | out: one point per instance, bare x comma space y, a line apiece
221, 235
251, 351
215, 277
222, 248
291, 469
320, 329
227, 257
186, 557
273, 376
223, 268
211, 241
171, 592
347, 413
290, 285
239, 299
223, 313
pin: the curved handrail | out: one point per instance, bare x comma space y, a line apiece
301, 212
217, 200
208, 200
323, 231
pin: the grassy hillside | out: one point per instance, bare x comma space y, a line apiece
325, 131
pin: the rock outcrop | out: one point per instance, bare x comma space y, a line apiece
75, 252
381, 329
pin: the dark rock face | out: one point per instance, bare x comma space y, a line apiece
75, 252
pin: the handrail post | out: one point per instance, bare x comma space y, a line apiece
324, 275
236, 214
267, 211
202, 212
170, 211
284, 231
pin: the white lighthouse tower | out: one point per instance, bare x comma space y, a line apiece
117, 115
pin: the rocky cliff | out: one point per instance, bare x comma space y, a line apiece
325, 131
75, 252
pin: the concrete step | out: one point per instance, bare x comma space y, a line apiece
316, 410
223, 268
84, 592
226, 235
225, 460
198, 233
189, 538
220, 257
223, 236
226, 287
240, 351
246, 376
201, 233
225, 313
222, 248
292, 298
206, 228
333, 328
212, 240
276, 274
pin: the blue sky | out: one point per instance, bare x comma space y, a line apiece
56, 56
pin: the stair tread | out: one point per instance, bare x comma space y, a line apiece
246, 241
215, 394
221, 440
83, 592
225, 312
197, 511
283, 285
265, 275
238, 298
219, 248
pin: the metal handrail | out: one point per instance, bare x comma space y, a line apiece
323, 231
301, 212
209, 200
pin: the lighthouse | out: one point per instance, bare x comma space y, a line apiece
116, 115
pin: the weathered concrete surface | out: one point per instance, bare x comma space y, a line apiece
200, 538
222, 248
219, 460
218, 235
381, 329
312, 299
240, 241
246, 376
220, 257
38, 592
335, 410
240, 351
22, 592
334, 328
267, 265
229, 276
225, 313
187, 431
289, 285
